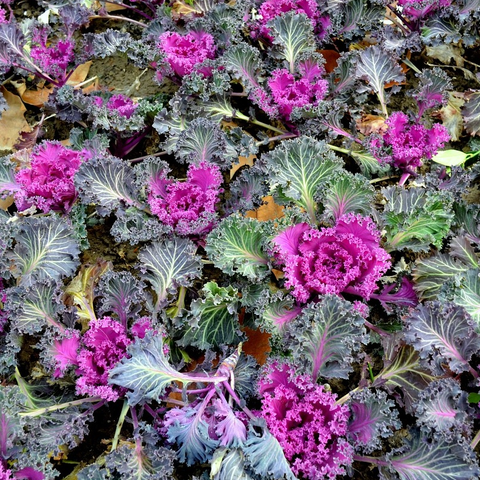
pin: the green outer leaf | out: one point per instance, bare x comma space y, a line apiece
169, 263
46, 249
348, 193
437, 460
107, 182
213, 321
461, 249
450, 158
228, 465
468, 295
146, 372
378, 68
431, 274
244, 60
299, 167
235, 246
37, 307
294, 32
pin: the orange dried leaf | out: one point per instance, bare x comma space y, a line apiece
79, 74
37, 97
331, 57
13, 120
241, 162
269, 211
6, 202
257, 345
369, 124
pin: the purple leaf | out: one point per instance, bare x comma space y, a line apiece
405, 296
443, 333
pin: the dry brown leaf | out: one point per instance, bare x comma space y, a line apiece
451, 115
79, 74
112, 7
369, 124
37, 97
278, 273
5, 202
257, 345
269, 211
331, 57
13, 120
241, 162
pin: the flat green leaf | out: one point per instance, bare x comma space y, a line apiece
431, 274
416, 218
46, 249
236, 246
244, 61
213, 320
228, 465
347, 193
294, 32
108, 182
169, 264
298, 167
468, 295
450, 158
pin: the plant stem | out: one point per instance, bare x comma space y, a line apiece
275, 139
60, 406
375, 460
121, 419
265, 125
129, 7
139, 159
475, 440
115, 17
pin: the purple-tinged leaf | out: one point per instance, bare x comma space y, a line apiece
468, 296
405, 296
431, 274
471, 114
122, 294
8, 184
443, 411
231, 430
245, 63
373, 417
378, 67
236, 246
11, 43
347, 193
46, 249
443, 333
168, 265
189, 430
402, 370
432, 89
108, 182
343, 77
324, 338
277, 315
298, 167
265, 455
437, 460
146, 372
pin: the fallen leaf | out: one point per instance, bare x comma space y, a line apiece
331, 57
257, 345
451, 115
269, 211
37, 97
445, 53
13, 120
112, 7
5, 202
369, 124
79, 74
241, 162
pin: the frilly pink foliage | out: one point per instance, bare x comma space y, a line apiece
404, 145
121, 104
189, 207
306, 421
183, 52
48, 183
5, 474
308, 90
105, 344
52, 59
65, 351
274, 8
345, 258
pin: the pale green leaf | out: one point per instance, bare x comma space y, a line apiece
450, 158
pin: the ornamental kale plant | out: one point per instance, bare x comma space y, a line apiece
239, 240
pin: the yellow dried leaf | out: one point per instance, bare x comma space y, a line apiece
13, 120
269, 211
241, 162
79, 74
